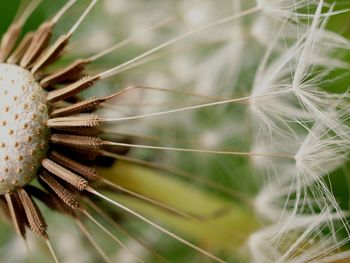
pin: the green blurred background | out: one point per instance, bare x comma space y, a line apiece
181, 194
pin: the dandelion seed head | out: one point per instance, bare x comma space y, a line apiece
284, 142
23, 132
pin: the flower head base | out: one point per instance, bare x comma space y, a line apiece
32, 144
49, 132
23, 129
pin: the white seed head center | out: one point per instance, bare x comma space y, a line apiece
23, 133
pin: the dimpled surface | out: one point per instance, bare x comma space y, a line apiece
23, 135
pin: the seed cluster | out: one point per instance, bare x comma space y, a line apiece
23, 132
41, 106
47, 130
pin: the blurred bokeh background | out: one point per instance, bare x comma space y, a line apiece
219, 62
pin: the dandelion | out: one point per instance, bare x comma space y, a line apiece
52, 136
314, 119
